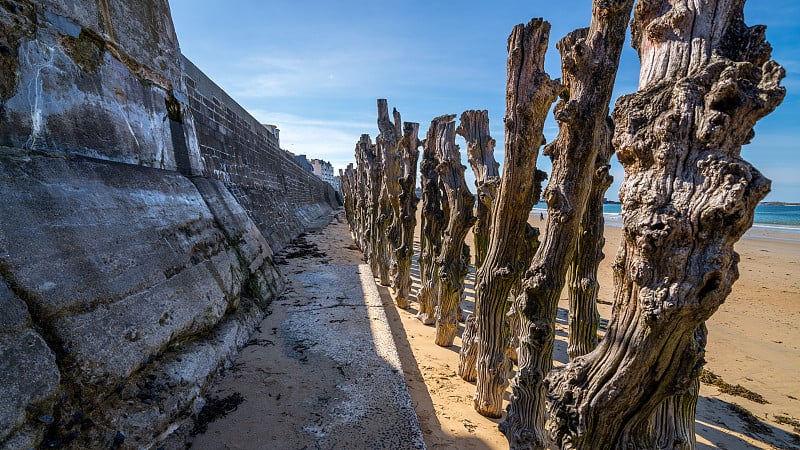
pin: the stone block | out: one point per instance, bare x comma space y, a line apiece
29, 375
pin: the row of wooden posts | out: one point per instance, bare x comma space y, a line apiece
687, 198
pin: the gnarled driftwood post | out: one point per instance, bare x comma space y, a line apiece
433, 224
369, 184
529, 94
350, 197
452, 268
399, 155
589, 60
407, 219
474, 127
687, 197
584, 319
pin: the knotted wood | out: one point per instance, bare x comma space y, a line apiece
450, 262
407, 218
433, 224
584, 319
687, 197
529, 94
350, 197
369, 183
474, 127
399, 153
589, 60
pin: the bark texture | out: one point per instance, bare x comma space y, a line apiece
350, 198
407, 219
451, 266
369, 186
399, 155
433, 224
687, 197
529, 94
589, 63
474, 127
584, 318
468, 354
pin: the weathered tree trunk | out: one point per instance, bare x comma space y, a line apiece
529, 94
409, 150
589, 60
350, 198
433, 224
450, 263
370, 186
687, 196
399, 176
671, 427
468, 354
529, 246
474, 127
584, 318
386, 143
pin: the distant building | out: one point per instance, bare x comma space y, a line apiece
323, 170
337, 183
274, 131
303, 161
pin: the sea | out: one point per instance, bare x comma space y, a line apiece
769, 218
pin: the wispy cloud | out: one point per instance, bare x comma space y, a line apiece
331, 140
265, 76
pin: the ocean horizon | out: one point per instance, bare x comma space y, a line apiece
768, 217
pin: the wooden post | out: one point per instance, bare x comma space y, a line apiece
474, 127
687, 197
433, 224
406, 219
450, 262
397, 152
589, 60
529, 94
584, 319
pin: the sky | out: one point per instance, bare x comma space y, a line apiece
315, 68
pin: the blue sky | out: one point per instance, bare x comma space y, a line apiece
315, 68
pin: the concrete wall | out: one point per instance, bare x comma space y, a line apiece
137, 227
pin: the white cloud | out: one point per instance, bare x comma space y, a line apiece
330, 140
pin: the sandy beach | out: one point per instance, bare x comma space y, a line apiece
753, 342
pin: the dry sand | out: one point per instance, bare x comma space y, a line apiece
753, 341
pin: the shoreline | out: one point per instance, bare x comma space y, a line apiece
781, 232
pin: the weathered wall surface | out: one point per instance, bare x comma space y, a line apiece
277, 192
117, 268
135, 243
93, 78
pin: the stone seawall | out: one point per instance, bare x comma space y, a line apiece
236, 149
137, 225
